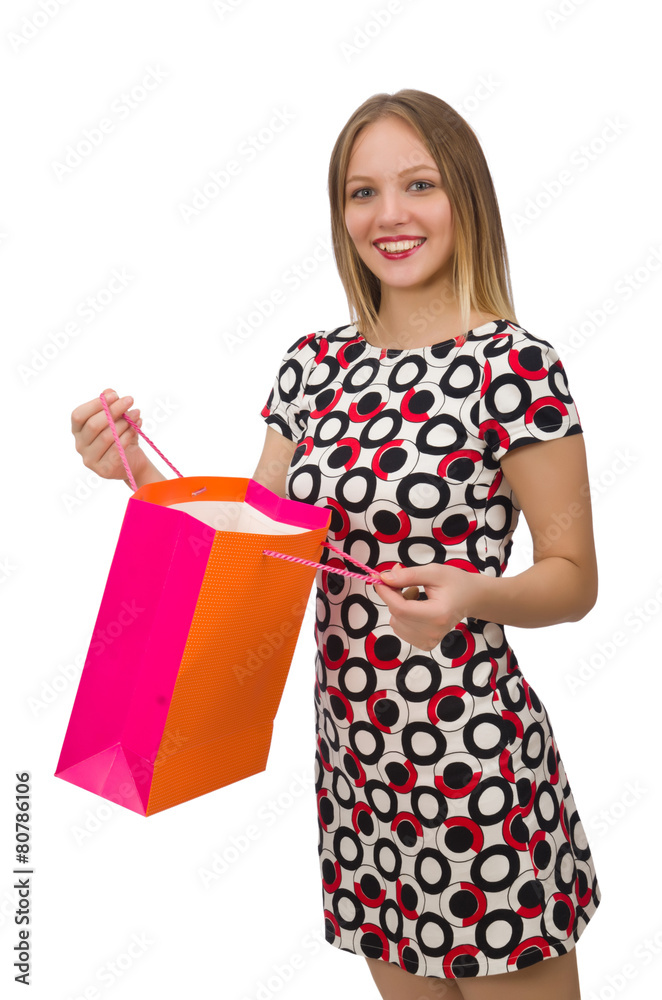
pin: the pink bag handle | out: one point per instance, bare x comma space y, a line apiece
371, 578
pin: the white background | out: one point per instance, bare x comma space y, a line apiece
539, 82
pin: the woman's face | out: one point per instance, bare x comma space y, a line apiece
393, 192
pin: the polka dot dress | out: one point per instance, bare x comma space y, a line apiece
449, 840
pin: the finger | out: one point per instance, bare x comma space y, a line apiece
127, 437
83, 412
400, 606
400, 576
98, 428
410, 594
130, 435
90, 417
102, 445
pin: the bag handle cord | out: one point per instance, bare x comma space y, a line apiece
371, 578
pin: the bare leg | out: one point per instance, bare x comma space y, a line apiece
394, 983
551, 979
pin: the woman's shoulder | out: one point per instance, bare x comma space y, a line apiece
508, 336
314, 346
518, 361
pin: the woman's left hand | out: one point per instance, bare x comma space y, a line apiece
450, 594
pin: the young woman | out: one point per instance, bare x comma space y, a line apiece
452, 855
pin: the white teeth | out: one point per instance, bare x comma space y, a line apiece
401, 245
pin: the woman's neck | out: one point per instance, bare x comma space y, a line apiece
403, 328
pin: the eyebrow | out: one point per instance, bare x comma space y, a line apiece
409, 170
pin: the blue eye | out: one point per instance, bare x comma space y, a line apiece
359, 190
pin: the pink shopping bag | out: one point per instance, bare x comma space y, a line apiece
193, 640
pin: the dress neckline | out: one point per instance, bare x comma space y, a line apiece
426, 347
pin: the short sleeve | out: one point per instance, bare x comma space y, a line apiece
525, 395
287, 406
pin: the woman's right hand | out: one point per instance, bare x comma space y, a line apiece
95, 442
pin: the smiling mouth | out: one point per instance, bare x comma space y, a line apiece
400, 246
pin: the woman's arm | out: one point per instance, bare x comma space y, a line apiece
550, 482
273, 463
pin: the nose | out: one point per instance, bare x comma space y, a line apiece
391, 210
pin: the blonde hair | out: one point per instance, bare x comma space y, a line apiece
481, 275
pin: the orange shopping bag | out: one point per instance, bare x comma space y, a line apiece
194, 638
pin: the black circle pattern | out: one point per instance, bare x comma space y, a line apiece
449, 840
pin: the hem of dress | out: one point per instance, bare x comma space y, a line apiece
568, 945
